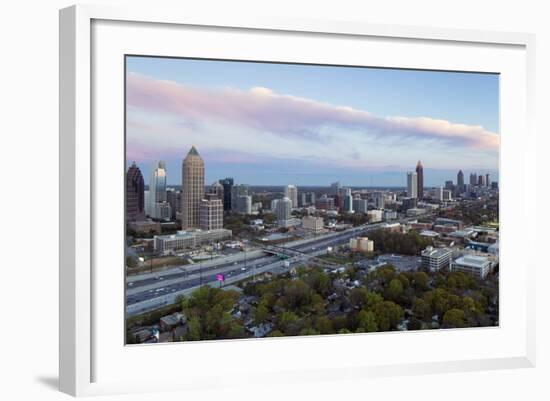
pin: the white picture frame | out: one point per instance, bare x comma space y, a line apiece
81, 346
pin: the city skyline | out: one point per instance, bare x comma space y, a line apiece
267, 126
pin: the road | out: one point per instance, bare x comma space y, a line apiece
158, 289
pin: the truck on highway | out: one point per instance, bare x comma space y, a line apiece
286, 263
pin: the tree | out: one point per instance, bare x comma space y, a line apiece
367, 321
395, 289
388, 315
193, 329
324, 325
454, 318
420, 281
308, 331
261, 313
422, 309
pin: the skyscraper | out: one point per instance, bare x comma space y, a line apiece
283, 210
419, 180
460, 181
412, 185
487, 180
157, 183
473, 179
135, 194
227, 184
335, 187
291, 192
481, 180
192, 188
159, 208
236, 192
216, 189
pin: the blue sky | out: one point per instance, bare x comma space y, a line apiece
278, 124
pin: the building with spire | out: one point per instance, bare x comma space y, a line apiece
460, 179
419, 180
135, 194
192, 189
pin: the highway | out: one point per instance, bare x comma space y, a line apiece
158, 289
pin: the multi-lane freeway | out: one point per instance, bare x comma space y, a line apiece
154, 290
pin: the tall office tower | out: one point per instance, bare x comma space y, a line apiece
236, 191
157, 183
227, 184
449, 184
360, 205
274, 204
173, 198
348, 203
217, 189
291, 192
159, 207
412, 185
481, 180
379, 201
243, 204
147, 202
192, 189
473, 179
460, 180
135, 194
211, 214
335, 187
487, 180
283, 209
419, 180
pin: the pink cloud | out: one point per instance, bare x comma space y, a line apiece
261, 108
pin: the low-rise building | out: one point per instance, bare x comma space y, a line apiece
169, 322
415, 211
145, 227
312, 223
374, 216
390, 215
183, 240
435, 259
478, 266
361, 244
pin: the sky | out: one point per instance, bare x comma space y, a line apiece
279, 124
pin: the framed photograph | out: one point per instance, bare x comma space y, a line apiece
290, 200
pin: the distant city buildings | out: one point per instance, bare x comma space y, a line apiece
135, 194
192, 188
